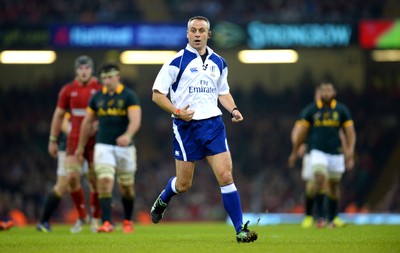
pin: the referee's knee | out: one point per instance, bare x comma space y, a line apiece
225, 178
182, 187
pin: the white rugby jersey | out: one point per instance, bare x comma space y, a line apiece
189, 81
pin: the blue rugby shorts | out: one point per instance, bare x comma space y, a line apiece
197, 139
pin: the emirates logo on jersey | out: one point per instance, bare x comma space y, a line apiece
74, 94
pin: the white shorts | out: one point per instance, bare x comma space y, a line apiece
123, 159
333, 164
61, 164
306, 170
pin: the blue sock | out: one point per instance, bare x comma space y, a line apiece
231, 200
169, 191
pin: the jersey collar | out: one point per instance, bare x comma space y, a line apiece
119, 89
91, 80
332, 105
191, 49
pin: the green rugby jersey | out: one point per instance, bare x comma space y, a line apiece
324, 124
112, 112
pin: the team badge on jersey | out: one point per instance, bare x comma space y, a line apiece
121, 103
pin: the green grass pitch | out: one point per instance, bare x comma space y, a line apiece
205, 237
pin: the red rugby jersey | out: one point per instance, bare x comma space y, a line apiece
74, 97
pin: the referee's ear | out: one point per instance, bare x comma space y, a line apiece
209, 34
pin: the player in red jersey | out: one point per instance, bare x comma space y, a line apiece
74, 97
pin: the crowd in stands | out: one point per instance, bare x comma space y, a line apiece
242, 12
260, 148
39, 12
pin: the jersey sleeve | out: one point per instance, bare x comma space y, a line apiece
63, 98
92, 107
223, 86
346, 119
165, 78
133, 100
305, 116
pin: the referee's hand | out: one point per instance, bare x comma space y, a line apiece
237, 116
186, 114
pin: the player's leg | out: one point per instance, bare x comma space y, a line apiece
222, 167
92, 180
53, 199
309, 199
74, 169
215, 147
335, 171
126, 188
179, 184
128, 201
333, 199
95, 209
309, 195
105, 163
320, 183
89, 175
105, 182
184, 162
126, 169
319, 164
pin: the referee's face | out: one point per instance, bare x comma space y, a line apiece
197, 35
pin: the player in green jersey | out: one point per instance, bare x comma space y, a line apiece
118, 111
319, 124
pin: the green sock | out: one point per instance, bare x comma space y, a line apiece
51, 204
128, 203
320, 205
332, 208
309, 200
105, 205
